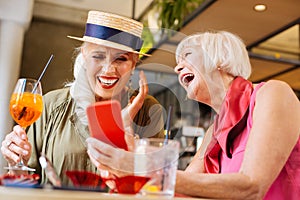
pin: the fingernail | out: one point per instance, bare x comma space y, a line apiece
25, 152
104, 173
23, 136
26, 146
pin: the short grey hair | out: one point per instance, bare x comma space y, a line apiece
219, 49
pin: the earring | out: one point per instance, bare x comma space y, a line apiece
186, 98
130, 90
218, 68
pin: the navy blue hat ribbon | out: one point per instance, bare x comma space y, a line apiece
113, 35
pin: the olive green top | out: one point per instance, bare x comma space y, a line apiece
61, 136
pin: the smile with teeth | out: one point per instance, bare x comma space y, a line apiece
108, 82
186, 79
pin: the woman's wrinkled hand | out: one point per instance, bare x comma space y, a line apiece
15, 144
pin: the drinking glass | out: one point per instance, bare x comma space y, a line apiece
157, 159
25, 107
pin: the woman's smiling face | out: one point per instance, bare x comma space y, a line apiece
191, 73
108, 69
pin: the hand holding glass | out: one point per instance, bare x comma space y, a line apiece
25, 107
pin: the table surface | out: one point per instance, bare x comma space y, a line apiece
12, 193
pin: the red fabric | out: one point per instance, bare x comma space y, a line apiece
233, 109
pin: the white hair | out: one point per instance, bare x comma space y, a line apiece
80, 89
219, 49
79, 62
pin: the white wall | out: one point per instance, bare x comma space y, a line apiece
15, 17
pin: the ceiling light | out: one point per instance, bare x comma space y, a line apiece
260, 7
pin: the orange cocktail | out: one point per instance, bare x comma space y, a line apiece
25, 108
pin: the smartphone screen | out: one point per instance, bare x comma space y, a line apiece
105, 123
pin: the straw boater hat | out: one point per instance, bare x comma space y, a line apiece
113, 31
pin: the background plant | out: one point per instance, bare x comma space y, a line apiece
172, 13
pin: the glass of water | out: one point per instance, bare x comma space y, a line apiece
158, 159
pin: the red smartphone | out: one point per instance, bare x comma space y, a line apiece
105, 123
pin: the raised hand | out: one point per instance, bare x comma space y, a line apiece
136, 102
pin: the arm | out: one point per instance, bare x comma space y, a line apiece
274, 133
197, 164
195, 182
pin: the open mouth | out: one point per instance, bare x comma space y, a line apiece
107, 82
186, 79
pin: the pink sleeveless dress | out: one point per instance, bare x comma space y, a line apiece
225, 155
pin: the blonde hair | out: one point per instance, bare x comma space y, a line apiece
219, 49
